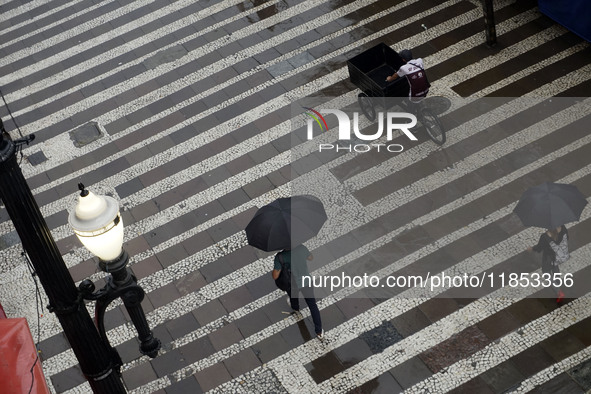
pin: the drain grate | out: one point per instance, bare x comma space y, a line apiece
381, 337
8, 240
582, 374
37, 158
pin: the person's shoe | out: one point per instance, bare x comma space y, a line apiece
297, 314
321, 335
560, 297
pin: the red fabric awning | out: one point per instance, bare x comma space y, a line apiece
20, 370
2, 314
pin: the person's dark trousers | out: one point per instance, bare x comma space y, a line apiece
308, 294
552, 270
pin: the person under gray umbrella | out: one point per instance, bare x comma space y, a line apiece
550, 205
554, 247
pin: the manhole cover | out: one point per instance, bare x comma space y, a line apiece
166, 56
86, 134
438, 104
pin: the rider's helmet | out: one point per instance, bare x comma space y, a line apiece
406, 54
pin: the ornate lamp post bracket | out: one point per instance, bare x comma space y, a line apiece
98, 225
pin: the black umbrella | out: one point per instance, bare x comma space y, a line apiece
550, 205
286, 222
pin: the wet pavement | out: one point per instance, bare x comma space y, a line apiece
183, 111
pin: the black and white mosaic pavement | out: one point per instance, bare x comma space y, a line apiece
182, 110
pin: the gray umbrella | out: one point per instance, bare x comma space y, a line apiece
550, 205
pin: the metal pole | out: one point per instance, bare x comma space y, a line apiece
489, 21
64, 298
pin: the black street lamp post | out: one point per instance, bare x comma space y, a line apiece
489, 21
99, 362
64, 298
98, 225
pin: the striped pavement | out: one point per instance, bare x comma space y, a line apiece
195, 103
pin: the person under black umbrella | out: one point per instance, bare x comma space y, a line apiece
278, 226
554, 247
296, 261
